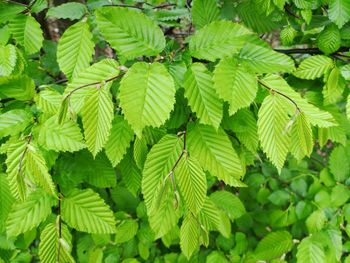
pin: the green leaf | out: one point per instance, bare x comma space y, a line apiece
339, 12
329, 40
20, 87
27, 32
313, 67
339, 163
272, 129
160, 161
97, 116
65, 137
204, 12
218, 40
49, 101
70, 11
147, 95
201, 95
265, 60
130, 32
215, 153
229, 203
86, 211
316, 221
119, 140
301, 137
273, 245
140, 151
55, 246
234, 84
131, 174
8, 59
335, 242
310, 251
192, 183
348, 107
14, 121
287, 35
25, 216
6, 201
189, 235
335, 85
75, 49
126, 230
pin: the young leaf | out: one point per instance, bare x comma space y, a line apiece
131, 174
201, 95
119, 140
97, 116
147, 95
272, 129
14, 121
339, 12
218, 40
310, 251
75, 49
6, 201
228, 202
49, 101
204, 12
215, 153
8, 60
25, 216
27, 32
189, 235
192, 183
313, 67
70, 11
301, 137
126, 230
234, 84
86, 211
329, 40
130, 32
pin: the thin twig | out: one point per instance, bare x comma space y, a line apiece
289, 12
59, 225
280, 93
14, 2
310, 51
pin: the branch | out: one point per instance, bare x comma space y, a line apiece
280, 93
289, 12
308, 50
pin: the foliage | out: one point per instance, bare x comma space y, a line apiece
175, 131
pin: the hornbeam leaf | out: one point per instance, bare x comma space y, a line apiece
313, 67
215, 153
75, 49
130, 32
65, 137
192, 183
27, 32
339, 12
147, 95
86, 211
204, 12
51, 249
25, 216
234, 84
6, 200
219, 39
329, 40
14, 121
97, 116
8, 60
159, 163
201, 95
119, 140
70, 11
272, 129
301, 137
189, 235
310, 251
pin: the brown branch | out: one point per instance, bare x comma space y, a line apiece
289, 12
280, 93
310, 51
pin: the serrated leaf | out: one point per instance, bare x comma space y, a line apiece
20, 87
6, 201
234, 84
272, 129
313, 67
301, 137
86, 211
97, 116
119, 140
126, 230
192, 183
140, 151
26, 215
273, 245
335, 85
130, 32
339, 12
49, 101
189, 236
27, 32
147, 95
348, 107
339, 163
310, 251
75, 49
51, 249
287, 35
201, 95
70, 11
229, 203
218, 40
214, 152
265, 60
204, 12
160, 161
329, 40
8, 59
14, 121
65, 137
131, 174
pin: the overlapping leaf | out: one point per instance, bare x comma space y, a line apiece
189, 235
339, 12
313, 67
14, 121
204, 12
301, 137
6, 201
8, 58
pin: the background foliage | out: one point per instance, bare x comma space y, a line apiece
201, 131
